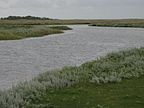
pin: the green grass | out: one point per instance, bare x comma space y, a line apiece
126, 94
113, 81
13, 32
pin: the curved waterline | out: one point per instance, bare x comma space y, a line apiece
21, 60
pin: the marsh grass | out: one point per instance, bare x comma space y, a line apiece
135, 23
13, 32
106, 22
19, 29
42, 91
61, 27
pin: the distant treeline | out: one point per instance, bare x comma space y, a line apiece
25, 17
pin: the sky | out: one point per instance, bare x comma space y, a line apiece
74, 9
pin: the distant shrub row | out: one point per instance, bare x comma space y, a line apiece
25, 17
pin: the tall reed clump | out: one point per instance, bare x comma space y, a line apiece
112, 68
9, 35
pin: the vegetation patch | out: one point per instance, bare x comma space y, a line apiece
61, 27
113, 81
13, 32
136, 23
126, 94
43, 21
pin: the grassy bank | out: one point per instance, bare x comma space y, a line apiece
106, 22
13, 32
120, 23
45, 22
113, 81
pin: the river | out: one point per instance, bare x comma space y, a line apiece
21, 60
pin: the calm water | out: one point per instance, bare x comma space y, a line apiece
21, 60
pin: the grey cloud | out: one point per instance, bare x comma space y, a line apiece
74, 8
7, 3
41, 3
108, 3
74, 3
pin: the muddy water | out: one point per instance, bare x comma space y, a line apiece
21, 60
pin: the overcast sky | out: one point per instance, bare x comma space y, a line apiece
74, 8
